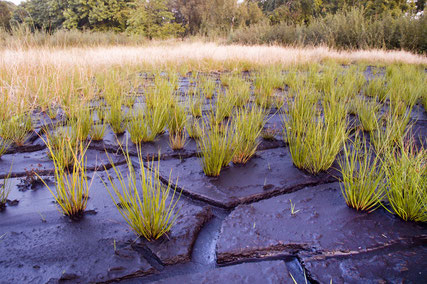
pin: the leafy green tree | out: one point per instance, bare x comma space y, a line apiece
153, 19
190, 13
6, 11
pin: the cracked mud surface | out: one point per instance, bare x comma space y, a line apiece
322, 224
237, 228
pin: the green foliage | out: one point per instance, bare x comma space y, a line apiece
144, 202
194, 129
248, 124
61, 144
97, 131
195, 103
4, 191
367, 112
346, 29
16, 129
4, 146
157, 119
241, 90
153, 19
72, 187
376, 89
406, 84
6, 11
137, 127
362, 183
394, 128
208, 86
216, 147
83, 122
406, 171
176, 123
116, 117
314, 141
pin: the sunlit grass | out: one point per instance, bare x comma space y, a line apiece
72, 184
248, 124
216, 147
363, 180
406, 172
143, 201
16, 129
5, 189
4, 146
314, 139
138, 128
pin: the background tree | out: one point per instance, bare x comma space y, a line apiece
153, 19
6, 11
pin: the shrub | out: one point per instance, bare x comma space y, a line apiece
144, 202
362, 183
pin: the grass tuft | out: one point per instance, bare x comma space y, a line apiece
4, 146
314, 138
4, 191
216, 147
406, 172
72, 184
248, 124
362, 183
16, 129
144, 202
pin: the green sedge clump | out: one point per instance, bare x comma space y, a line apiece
216, 147
16, 129
405, 171
72, 184
116, 117
315, 136
362, 183
145, 203
248, 124
138, 128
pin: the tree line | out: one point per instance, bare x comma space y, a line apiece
178, 18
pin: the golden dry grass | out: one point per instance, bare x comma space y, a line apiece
184, 52
33, 77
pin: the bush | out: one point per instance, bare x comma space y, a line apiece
344, 30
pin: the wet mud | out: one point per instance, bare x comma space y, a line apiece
258, 223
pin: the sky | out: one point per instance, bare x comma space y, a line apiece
15, 1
